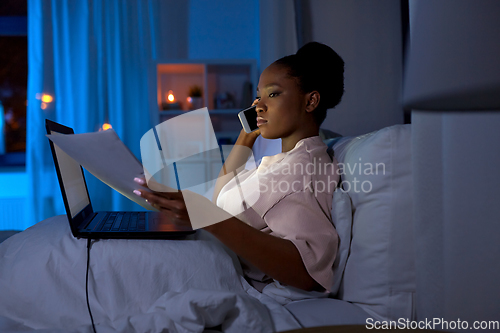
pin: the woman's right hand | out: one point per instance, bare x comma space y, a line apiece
248, 139
237, 159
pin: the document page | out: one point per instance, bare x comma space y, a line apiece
105, 156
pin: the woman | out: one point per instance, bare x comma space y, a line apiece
287, 234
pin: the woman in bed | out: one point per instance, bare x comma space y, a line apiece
286, 237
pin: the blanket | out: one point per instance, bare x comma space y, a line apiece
187, 285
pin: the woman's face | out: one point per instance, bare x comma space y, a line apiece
281, 107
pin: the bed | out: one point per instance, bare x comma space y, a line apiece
134, 285
146, 286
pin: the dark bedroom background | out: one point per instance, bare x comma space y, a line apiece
371, 35
13, 82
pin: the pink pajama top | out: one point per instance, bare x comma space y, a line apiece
293, 200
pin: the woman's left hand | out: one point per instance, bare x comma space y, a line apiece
171, 204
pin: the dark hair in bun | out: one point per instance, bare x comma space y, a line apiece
317, 67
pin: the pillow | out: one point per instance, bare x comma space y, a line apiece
379, 273
342, 221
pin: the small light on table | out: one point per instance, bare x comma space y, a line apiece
171, 103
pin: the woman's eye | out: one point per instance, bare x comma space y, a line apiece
271, 95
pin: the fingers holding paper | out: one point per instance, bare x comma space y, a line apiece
185, 208
169, 203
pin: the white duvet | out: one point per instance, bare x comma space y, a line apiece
134, 285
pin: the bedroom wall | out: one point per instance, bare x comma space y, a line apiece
200, 29
367, 35
223, 29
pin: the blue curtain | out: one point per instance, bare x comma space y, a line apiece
96, 58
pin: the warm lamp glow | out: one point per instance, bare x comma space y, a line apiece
47, 98
170, 96
106, 126
43, 106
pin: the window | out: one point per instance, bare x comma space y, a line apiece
13, 81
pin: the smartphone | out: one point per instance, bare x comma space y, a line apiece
248, 118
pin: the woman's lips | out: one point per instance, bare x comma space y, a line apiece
261, 121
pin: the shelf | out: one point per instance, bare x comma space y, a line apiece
181, 68
228, 86
225, 83
217, 111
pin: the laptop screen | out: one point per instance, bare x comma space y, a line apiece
72, 181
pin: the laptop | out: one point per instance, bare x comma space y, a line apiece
85, 223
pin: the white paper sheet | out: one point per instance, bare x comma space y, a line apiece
105, 156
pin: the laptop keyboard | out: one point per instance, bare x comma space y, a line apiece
130, 221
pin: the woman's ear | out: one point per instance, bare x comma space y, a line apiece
312, 101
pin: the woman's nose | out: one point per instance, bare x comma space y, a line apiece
259, 107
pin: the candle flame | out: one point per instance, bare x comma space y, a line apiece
171, 97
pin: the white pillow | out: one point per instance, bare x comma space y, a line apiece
342, 221
379, 274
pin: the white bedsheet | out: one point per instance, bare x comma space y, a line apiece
134, 285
